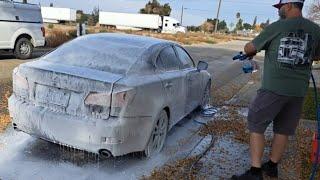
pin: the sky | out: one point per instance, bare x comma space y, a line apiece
195, 13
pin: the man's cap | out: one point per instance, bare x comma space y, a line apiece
282, 2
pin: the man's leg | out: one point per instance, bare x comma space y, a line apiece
262, 111
279, 145
284, 125
256, 149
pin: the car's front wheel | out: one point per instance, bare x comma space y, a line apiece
158, 135
23, 49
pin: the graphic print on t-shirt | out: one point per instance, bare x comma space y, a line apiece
295, 50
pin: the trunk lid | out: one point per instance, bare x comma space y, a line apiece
64, 88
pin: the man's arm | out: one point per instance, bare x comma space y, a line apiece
262, 41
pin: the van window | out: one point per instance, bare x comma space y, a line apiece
167, 60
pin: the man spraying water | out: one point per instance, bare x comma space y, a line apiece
291, 44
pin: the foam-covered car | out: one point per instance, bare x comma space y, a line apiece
111, 94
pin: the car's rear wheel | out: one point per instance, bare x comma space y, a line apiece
158, 135
23, 49
206, 99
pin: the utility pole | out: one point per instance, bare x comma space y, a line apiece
217, 19
181, 15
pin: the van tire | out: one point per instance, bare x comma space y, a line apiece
23, 48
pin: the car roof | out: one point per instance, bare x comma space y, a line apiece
122, 51
127, 39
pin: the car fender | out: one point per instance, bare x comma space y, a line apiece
206, 78
19, 32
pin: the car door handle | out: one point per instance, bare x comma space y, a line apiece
168, 85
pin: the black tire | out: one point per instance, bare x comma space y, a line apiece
23, 49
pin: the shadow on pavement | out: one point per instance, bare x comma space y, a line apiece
4, 55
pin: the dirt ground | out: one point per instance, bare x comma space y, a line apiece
5, 92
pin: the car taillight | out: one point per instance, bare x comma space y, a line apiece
98, 104
20, 85
43, 30
119, 100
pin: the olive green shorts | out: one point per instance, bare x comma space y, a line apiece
283, 111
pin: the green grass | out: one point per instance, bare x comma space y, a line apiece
309, 111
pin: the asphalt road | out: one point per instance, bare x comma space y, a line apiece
25, 157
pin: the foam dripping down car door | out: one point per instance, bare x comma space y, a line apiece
192, 80
168, 67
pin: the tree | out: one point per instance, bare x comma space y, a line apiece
222, 25
254, 22
24, 1
264, 25
247, 26
154, 7
238, 15
268, 22
193, 28
91, 20
239, 25
81, 17
95, 15
231, 25
314, 11
207, 27
51, 4
166, 10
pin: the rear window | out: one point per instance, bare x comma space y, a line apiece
97, 53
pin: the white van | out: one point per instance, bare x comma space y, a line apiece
21, 28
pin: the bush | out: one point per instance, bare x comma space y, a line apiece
309, 108
104, 30
72, 34
56, 38
50, 26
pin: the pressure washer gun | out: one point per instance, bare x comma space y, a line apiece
248, 65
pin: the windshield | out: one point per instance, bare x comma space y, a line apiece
97, 53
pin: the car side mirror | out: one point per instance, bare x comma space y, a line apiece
202, 66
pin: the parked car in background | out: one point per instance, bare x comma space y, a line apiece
111, 94
21, 28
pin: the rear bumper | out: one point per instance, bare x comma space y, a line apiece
118, 135
39, 43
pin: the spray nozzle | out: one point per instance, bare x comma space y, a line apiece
240, 56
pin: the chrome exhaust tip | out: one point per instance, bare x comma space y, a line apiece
105, 154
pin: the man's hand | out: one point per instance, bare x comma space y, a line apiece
250, 50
